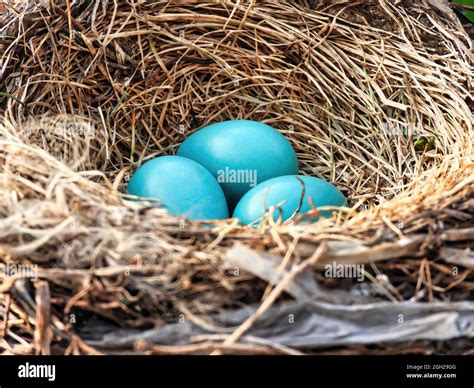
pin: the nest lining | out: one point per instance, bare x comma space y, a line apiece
383, 115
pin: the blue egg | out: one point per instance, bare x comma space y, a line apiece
240, 154
182, 186
292, 192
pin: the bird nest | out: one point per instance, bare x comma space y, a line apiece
374, 97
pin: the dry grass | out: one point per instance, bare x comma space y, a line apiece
383, 114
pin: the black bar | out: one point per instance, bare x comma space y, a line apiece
240, 371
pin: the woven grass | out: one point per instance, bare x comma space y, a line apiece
375, 97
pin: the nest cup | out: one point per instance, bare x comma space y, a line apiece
94, 90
